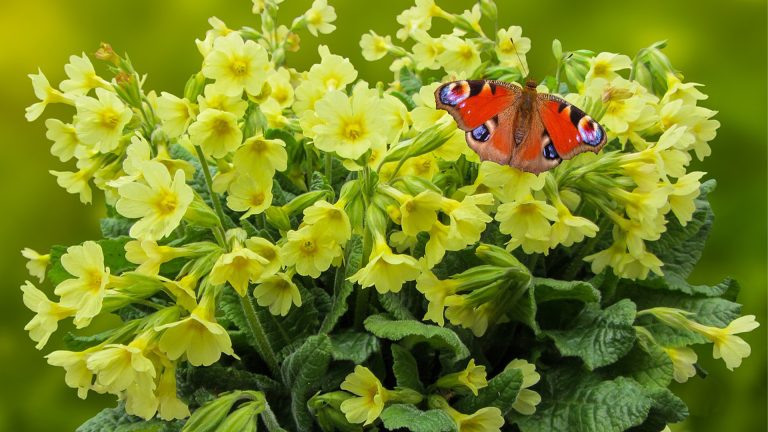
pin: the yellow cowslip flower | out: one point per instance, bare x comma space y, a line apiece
77, 182
37, 263
238, 267
100, 122
506, 183
683, 360
528, 222
319, 18
273, 113
333, 72
311, 250
82, 77
160, 203
250, 195
440, 240
626, 104
605, 65
331, 217
460, 57
64, 137
218, 29
395, 116
260, 5
424, 166
488, 419
278, 292
349, 126
371, 396
118, 366
176, 114
637, 266
281, 90
467, 219
374, 46
268, 251
613, 257
732, 349
419, 212
139, 152
46, 94
676, 89
462, 312
199, 336
150, 256
698, 120
216, 132
527, 399
385, 270
569, 229
511, 48
435, 291
78, 376
642, 205
261, 155
472, 377
426, 50
402, 242
170, 407
214, 98
48, 314
683, 194
86, 291
237, 65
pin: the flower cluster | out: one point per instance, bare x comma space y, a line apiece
303, 230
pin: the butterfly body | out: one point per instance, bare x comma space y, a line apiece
518, 126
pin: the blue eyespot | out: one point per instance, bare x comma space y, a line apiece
591, 133
481, 133
550, 152
452, 94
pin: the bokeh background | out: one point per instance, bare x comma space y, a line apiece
720, 44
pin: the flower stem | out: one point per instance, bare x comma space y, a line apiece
218, 232
262, 343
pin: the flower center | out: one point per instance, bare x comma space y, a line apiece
308, 246
353, 130
466, 52
600, 69
166, 202
221, 126
239, 67
257, 199
109, 118
94, 280
314, 17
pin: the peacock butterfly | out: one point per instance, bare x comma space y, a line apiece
517, 126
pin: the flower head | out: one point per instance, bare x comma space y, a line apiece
512, 47
435, 291
683, 361
216, 132
460, 56
85, 292
45, 93
311, 249
48, 314
331, 217
385, 270
100, 122
472, 377
37, 263
374, 46
238, 267
732, 349
237, 65
371, 396
81, 77
77, 373
527, 399
278, 292
250, 195
261, 155
176, 114
319, 18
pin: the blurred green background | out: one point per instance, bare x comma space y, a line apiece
720, 44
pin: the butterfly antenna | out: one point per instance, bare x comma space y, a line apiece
522, 64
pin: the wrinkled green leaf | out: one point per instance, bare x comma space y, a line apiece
544, 290
108, 419
666, 409
410, 331
353, 346
501, 393
342, 287
402, 416
649, 366
405, 368
303, 372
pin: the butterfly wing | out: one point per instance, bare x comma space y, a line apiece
570, 129
486, 110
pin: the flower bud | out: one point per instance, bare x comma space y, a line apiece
278, 218
200, 214
489, 9
557, 50
425, 142
327, 412
107, 54
194, 87
298, 204
212, 415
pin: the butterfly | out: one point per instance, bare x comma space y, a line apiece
517, 126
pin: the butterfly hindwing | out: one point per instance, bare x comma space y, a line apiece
570, 130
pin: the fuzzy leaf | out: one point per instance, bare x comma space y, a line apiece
577, 401
415, 331
651, 367
303, 372
402, 416
115, 226
501, 393
599, 337
405, 368
409, 81
400, 304
342, 287
353, 346
108, 419
666, 408
544, 290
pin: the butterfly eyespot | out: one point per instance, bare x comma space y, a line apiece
550, 152
591, 133
481, 133
454, 93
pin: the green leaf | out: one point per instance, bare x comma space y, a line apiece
649, 366
409, 417
303, 372
108, 419
405, 368
599, 337
411, 331
229, 303
353, 346
667, 408
405, 99
154, 425
114, 258
218, 379
573, 400
400, 304
409, 81
342, 287
543, 290
501, 393
115, 226
77, 342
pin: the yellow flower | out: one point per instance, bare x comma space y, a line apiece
77, 373
281, 90
488, 419
150, 256
683, 194
732, 349
100, 122
46, 94
472, 377
527, 399
176, 113
77, 182
435, 291
468, 220
37, 263
395, 116
118, 366
426, 50
605, 65
64, 137
374, 46
268, 251
642, 205
251, 195
238, 267
216, 132
214, 98
199, 336
683, 361
385, 270
419, 17
462, 312
278, 292
160, 203
676, 89
371, 396
48, 314
319, 18
170, 407
237, 65
82, 77
460, 57
419, 213
311, 249
85, 292
440, 240
424, 166
331, 217
261, 155
527, 221
349, 126
511, 48
260, 5
569, 229
332, 73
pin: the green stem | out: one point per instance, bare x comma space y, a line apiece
329, 168
262, 343
214, 196
361, 306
